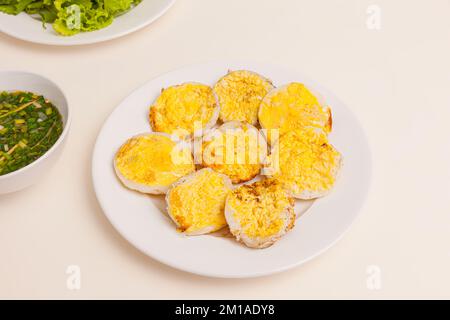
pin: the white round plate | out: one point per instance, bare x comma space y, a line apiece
141, 219
26, 28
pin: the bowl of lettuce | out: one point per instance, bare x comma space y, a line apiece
72, 22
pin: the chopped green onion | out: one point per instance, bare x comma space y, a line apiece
29, 126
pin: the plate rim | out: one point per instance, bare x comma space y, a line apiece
80, 42
212, 274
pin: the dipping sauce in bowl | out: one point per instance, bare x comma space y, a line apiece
35, 121
29, 126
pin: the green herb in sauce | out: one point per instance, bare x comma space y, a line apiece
29, 126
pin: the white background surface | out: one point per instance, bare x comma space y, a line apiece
396, 80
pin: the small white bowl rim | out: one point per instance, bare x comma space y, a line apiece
61, 138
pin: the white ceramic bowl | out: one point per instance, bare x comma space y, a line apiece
34, 172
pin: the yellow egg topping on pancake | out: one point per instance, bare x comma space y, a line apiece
184, 109
302, 163
151, 163
305, 162
196, 203
291, 107
235, 149
259, 214
240, 93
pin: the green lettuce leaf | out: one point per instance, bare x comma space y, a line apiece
70, 17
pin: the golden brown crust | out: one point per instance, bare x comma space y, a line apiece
329, 125
292, 221
152, 119
257, 194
